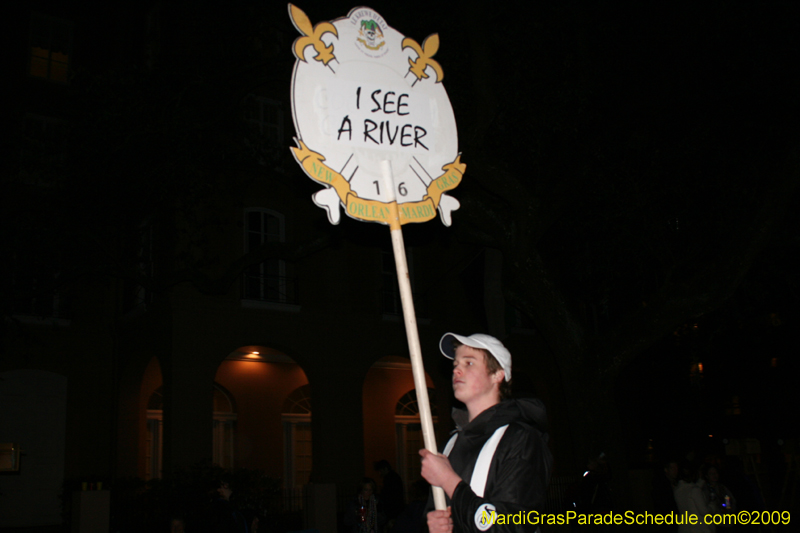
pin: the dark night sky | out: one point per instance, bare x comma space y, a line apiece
697, 103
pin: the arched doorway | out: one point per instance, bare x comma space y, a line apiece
255, 392
391, 417
262, 382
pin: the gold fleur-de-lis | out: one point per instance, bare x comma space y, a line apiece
425, 52
313, 36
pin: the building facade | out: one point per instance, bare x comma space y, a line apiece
210, 315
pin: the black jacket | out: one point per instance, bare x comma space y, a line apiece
519, 471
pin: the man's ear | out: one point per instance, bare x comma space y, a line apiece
499, 376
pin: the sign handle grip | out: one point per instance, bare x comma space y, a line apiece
415, 351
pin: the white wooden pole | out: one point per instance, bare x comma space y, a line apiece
415, 351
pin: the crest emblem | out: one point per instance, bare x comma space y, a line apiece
370, 26
370, 35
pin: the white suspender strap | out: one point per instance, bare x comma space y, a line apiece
449, 447
481, 470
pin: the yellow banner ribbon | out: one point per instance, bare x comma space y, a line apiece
374, 210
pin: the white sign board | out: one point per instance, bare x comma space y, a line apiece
363, 93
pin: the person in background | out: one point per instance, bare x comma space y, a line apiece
391, 501
412, 518
363, 515
225, 517
177, 525
252, 518
663, 492
717, 495
690, 499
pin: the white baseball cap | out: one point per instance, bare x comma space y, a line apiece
478, 340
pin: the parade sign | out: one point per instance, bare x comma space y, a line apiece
376, 128
362, 94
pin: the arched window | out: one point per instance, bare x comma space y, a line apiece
296, 415
409, 435
266, 281
224, 427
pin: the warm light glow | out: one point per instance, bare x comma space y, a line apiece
49, 65
711, 436
254, 353
39, 60
700, 367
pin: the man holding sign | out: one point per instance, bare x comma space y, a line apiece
377, 131
497, 462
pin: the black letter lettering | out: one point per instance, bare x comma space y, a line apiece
367, 129
401, 104
386, 102
348, 129
377, 104
417, 136
403, 135
389, 132
358, 98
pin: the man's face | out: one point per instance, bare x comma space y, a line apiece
471, 380
224, 490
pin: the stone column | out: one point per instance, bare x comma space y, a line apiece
188, 405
